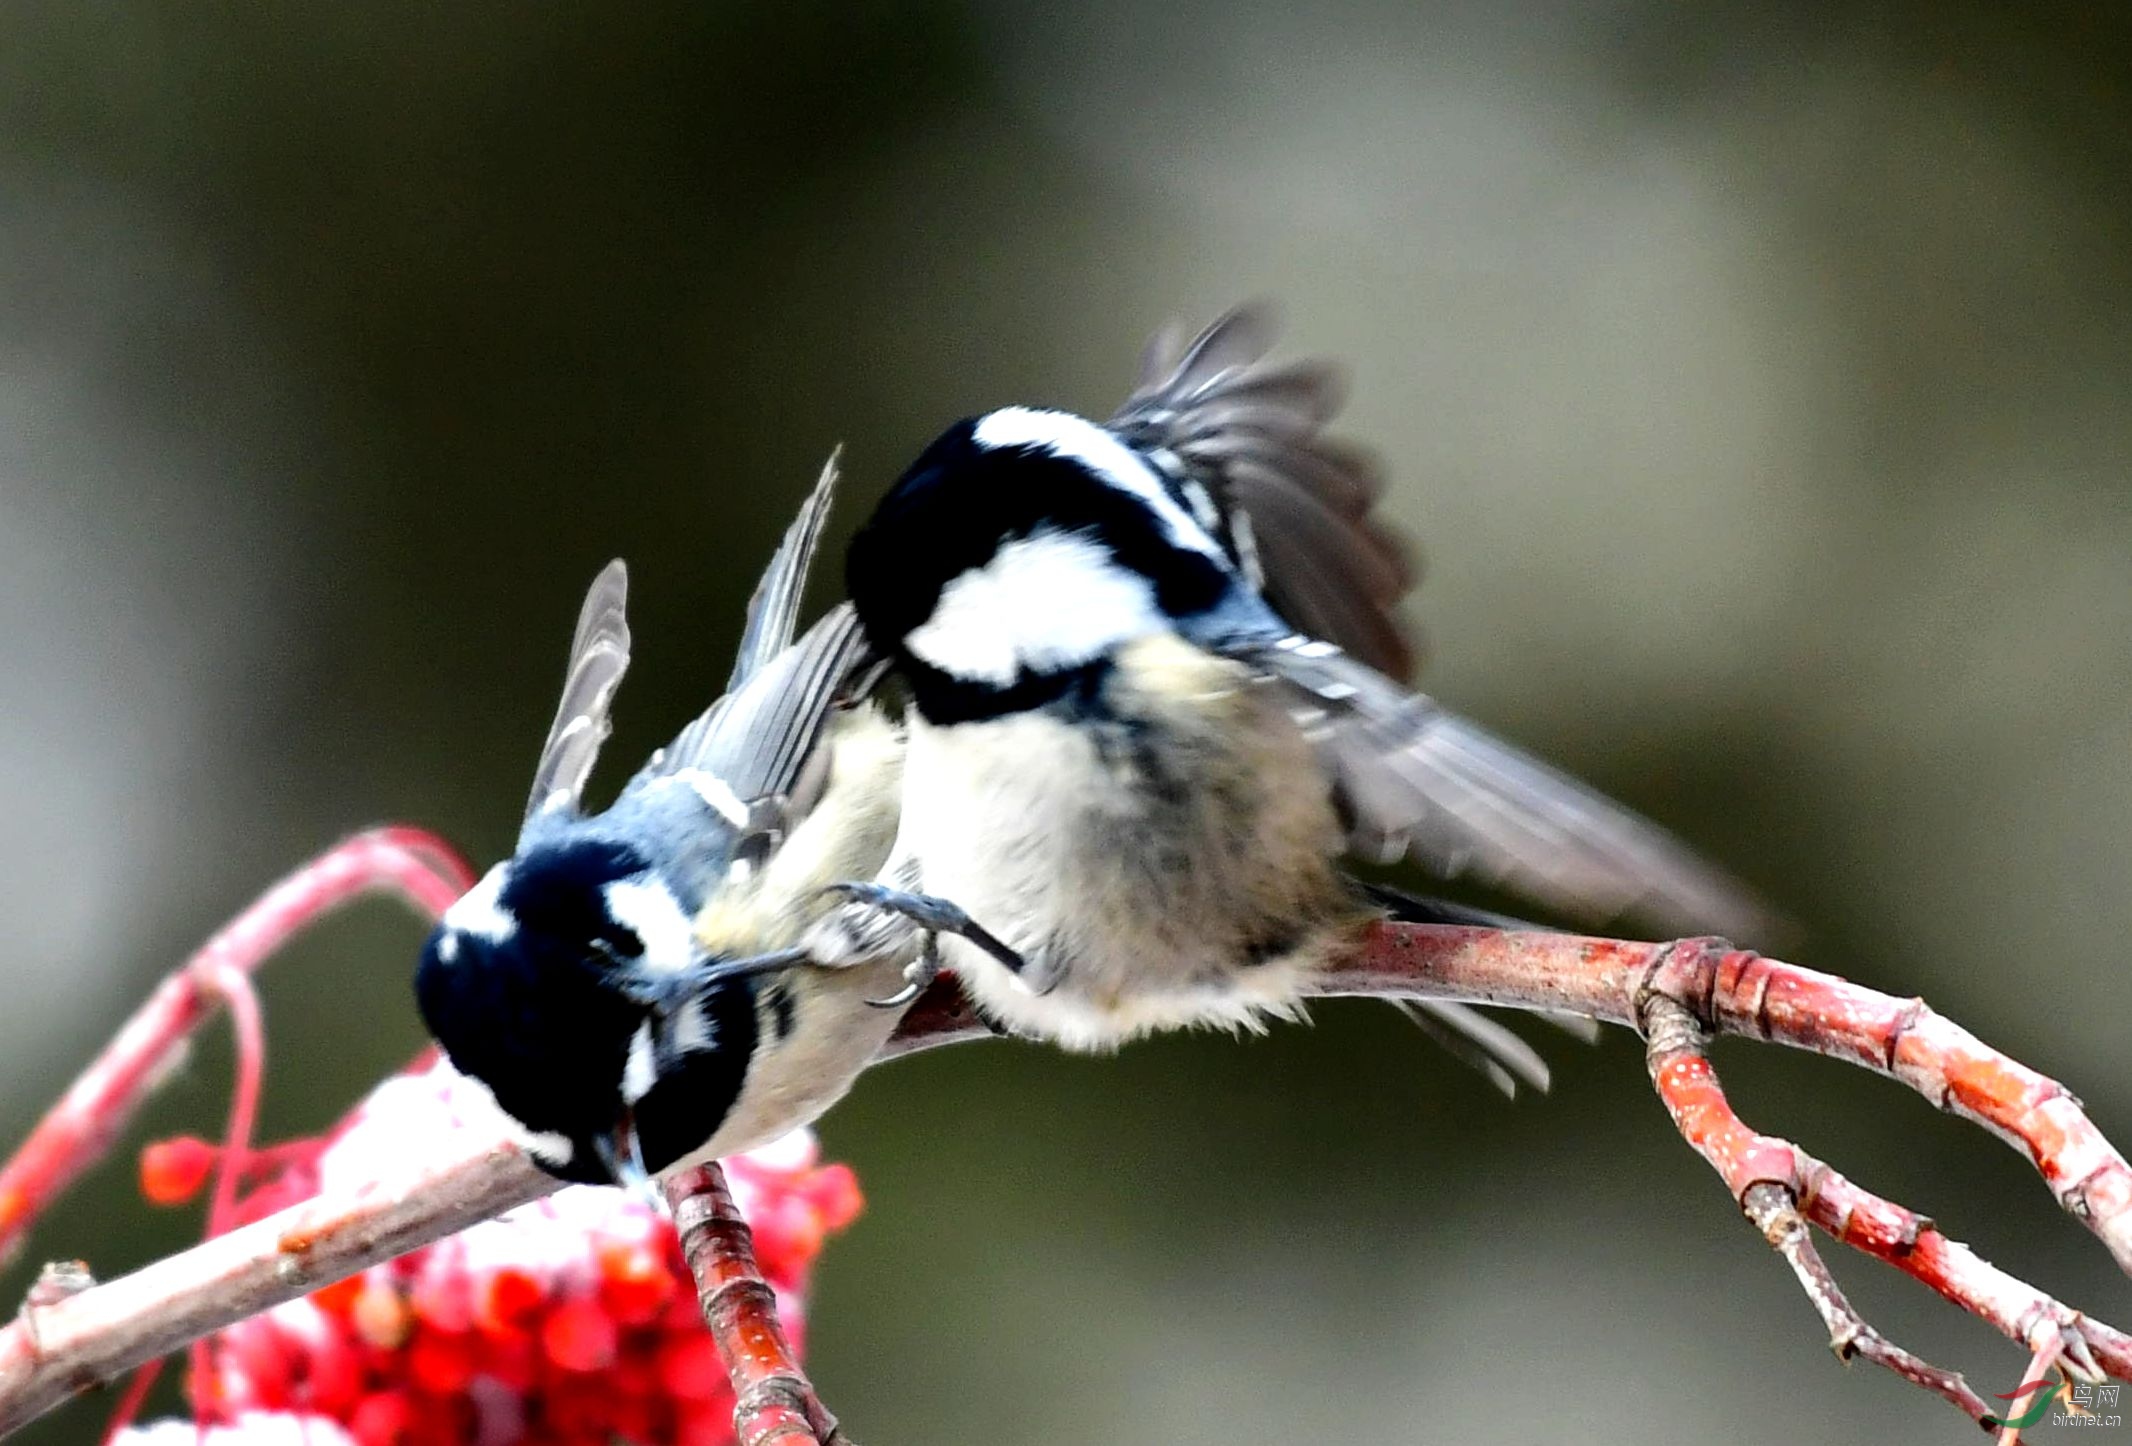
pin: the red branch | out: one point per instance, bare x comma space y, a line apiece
772, 1399
1738, 992
1675, 993
79, 1129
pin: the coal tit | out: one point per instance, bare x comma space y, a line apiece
579, 979
1157, 690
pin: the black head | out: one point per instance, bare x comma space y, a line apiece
1019, 551
523, 984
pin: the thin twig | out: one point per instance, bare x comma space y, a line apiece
773, 1401
1762, 1173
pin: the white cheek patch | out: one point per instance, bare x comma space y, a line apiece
1077, 439
640, 1071
651, 913
1048, 601
480, 912
693, 1030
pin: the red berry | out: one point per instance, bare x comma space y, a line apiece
172, 1171
380, 1316
512, 1361
441, 1420
835, 1192
637, 1419
507, 1300
440, 1362
380, 1419
683, 1313
689, 1367
635, 1283
443, 1295
705, 1425
339, 1297
579, 1335
578, 1407
635, 1371
258, 1365
333, 1380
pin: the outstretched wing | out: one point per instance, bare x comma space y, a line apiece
1294, 505
1249, 434
1417, 778
773, 610
599, 655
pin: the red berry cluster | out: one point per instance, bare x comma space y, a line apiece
568, 1322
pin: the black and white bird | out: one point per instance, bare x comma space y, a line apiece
1156, 692
580, 981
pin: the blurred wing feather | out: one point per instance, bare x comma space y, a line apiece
1216, 413
1416, 778
599, 655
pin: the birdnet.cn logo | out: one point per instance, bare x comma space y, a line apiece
2061, 1403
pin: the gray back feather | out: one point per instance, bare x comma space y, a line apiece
758, 738
599, 655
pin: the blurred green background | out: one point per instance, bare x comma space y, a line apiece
1755, 382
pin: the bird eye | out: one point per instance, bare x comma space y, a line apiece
618, 946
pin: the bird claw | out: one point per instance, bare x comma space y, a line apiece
935, 916
918, 976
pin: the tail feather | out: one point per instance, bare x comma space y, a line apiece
1471, 1037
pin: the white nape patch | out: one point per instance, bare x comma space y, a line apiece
692, 1029
639, 1071
480, 911
448, 947
716, 792
551, 1147
1077, 439
1050, 600
651, 912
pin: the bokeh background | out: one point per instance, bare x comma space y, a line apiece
1755, 381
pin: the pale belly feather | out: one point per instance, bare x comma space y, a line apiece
1169, 865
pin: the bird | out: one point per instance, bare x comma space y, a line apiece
583, 980
1157, 695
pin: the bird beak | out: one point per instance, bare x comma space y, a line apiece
623, 1155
